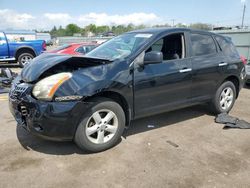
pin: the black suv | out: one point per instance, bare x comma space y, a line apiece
92, 99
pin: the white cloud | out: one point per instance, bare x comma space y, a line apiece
57, 16
105, 19
16, 20
12, 19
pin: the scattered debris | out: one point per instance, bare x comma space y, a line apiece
6, 77
172, 143
231, 122
151, 126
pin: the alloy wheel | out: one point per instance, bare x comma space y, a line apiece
226, 98
101, 126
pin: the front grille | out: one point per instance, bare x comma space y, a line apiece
18, 90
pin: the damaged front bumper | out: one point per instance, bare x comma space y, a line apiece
50, 120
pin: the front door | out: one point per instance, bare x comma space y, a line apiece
167, 85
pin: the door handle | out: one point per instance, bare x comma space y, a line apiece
185, 70
222, 64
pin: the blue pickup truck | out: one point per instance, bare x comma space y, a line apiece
21, 52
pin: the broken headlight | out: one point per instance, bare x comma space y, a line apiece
46, 88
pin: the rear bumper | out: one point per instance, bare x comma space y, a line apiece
50, 120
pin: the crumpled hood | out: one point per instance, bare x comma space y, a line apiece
46, 61
38, 65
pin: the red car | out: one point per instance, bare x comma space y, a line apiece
75, 48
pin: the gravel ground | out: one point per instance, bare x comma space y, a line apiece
184, 148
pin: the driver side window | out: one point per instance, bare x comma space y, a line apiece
171, 46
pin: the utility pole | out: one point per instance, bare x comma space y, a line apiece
173, 22
243, 16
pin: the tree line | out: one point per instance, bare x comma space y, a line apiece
72, 29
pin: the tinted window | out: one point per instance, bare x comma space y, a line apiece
202, 44
227, 47
84, 49
80, 50
172, 47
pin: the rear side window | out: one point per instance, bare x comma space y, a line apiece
227, 47
202, 44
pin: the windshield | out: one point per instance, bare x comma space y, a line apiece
120, 47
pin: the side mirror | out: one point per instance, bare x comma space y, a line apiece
153, 57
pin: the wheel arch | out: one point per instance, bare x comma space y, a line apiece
24, 49
235, 81
117, 97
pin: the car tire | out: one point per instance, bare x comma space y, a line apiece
98, 131
224, 99
24, 59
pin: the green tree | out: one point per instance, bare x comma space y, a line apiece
71, 29
163, 25
53, 32
91, 28
60, 32
181, 25
201, 26
102, 29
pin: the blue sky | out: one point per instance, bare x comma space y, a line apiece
43, 14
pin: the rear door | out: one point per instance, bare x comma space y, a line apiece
206, 60
4, 50
164, 86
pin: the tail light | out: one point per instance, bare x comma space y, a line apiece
243, 59
44, 45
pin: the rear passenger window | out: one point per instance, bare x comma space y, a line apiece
227, 47
202, 44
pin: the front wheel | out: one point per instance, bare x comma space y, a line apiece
101, 127
224, 98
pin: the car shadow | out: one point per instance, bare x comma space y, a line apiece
166, 119
31, 142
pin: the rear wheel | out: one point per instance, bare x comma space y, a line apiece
24, 58
101, 127
224, 98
